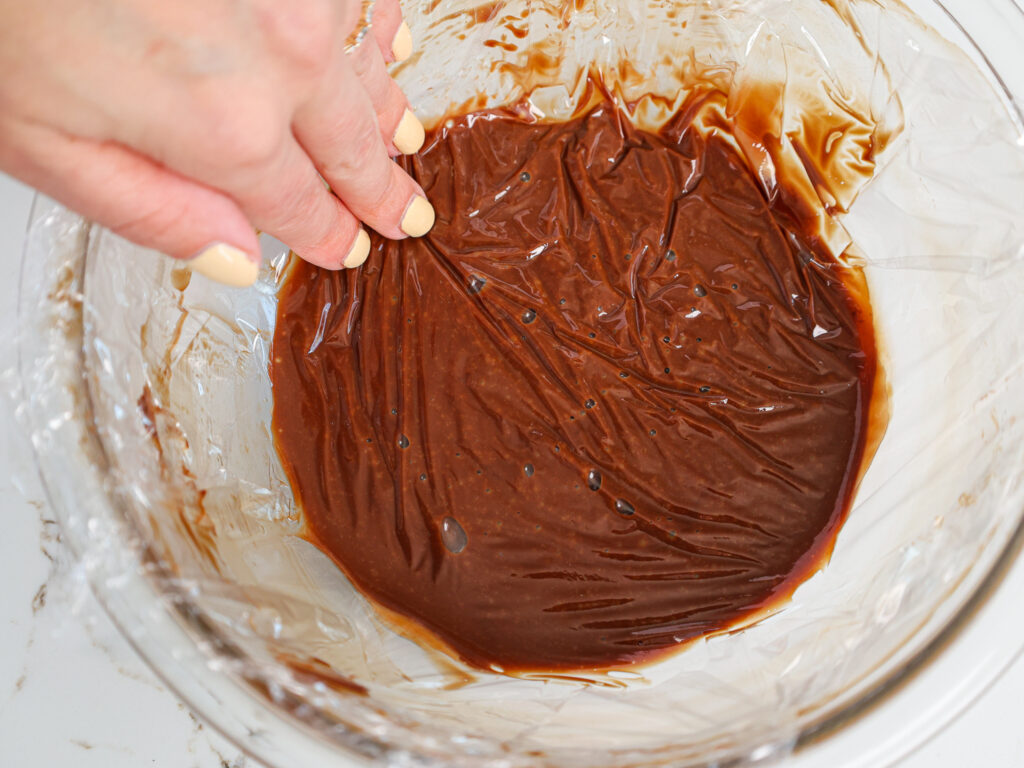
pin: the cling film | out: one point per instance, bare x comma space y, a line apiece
148, 401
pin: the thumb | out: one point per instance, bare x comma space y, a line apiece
138, 199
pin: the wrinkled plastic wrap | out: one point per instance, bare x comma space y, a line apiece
148, 402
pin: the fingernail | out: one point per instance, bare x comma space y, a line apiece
418, 218
409, 134
401, 44
360, 250
227, 265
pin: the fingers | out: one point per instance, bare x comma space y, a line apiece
139, 200
198, 194
390, 31
401, 131
287, 198
338, 128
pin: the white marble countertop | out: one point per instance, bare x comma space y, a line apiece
73, 693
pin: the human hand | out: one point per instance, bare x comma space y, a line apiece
182, 126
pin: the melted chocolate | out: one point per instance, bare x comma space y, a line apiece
614, 401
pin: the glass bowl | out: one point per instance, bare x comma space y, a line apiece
148, 403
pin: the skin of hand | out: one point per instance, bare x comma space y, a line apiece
183, 125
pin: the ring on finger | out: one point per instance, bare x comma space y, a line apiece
364, 23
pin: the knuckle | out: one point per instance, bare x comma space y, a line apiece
361, 59
352, 155
379, 203
360, 146
151, 226
242, 141
301, 205
305, 33
258, 148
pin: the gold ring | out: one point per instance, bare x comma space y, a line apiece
363, 25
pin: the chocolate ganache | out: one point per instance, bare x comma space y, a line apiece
617, 399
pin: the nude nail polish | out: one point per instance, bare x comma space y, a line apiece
409, 135
359, 251
401, 44
225, 264
418, 218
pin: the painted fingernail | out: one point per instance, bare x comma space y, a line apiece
227, 265
409, 134
360, 250
418, 218
401, 44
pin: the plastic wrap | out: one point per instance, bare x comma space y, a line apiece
148, 403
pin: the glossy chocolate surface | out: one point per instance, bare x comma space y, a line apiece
615, 400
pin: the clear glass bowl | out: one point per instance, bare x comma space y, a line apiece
149, 409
